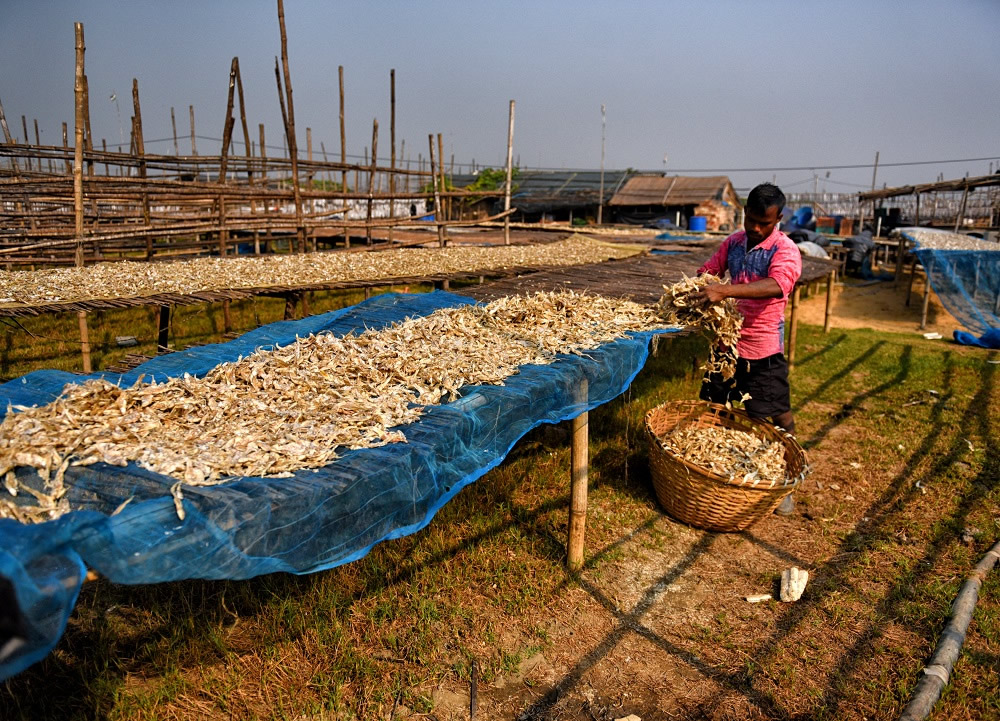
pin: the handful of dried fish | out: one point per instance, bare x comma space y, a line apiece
722, 321
734, 455
289, 408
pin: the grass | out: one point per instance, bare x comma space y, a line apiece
485, 581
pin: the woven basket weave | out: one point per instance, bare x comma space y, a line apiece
701, 498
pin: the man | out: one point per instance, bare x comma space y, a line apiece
763, 265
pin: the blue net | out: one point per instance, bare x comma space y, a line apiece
314, 520
966, 281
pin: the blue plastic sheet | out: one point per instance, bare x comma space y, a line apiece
967, 282
314, 520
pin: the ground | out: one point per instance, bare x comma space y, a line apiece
902, 501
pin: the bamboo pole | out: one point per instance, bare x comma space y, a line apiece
292, 146
392, 150
444, 187
173, 127
510, 157
793, 328
140, 150
27, 140
69, 165
163, 331
925, 305
437, 194
194, 148
961, 209
343, 152
579, 453
371, 181
10, 141
831, 278
78, 186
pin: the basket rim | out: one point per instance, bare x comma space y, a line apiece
784, 437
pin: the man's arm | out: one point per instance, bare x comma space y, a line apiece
763, 288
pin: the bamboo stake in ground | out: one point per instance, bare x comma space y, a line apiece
392, 143
78, 186
506, 191
292, 146
140, 150
371, 183
173, 126
194, 148
578, 482
830, 279
437, 194
343, 153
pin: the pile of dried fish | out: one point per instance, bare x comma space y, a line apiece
943, 240
294, 407
138, 279
722, 321
734, 455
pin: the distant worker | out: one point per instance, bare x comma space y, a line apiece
763, 265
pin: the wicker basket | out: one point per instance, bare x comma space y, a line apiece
697, 496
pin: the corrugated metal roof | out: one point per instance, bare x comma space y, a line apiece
670, 190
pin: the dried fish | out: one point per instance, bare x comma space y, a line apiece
297, 406
129, 279
944, 240
734, 455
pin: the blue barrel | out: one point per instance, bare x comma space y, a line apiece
698, 222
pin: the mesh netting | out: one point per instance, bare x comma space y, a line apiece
314, 520
967, 282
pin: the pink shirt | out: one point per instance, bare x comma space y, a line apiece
763, 318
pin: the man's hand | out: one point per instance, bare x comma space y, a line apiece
711, 293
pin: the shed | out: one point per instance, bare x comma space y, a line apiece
563, 195
643, 198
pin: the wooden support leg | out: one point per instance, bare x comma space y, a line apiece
163, 333
305, 301
793, 328
830, 280
578, 484
926, 300
913, 274
900, 252
84, 340
290, 301
227, 322
368, 292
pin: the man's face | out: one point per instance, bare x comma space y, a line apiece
758, 226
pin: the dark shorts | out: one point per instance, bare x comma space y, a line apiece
765, 379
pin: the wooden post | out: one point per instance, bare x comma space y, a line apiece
371, 183
343, 154
78, 150
793, 328
292, 146
173, 126
506, 192
163, 332
227, 322
392, 149
961, 209
437, 194
140, 150
263, 176
913, 274
194, 148
831, 278
10, 141
84, 340
443, 185
578, 482
927, 295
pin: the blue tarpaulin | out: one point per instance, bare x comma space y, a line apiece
967, 282
314, 520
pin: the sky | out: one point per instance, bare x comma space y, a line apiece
745, 89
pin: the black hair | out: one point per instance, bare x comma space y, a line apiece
764, 196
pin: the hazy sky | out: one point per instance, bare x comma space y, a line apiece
711, 85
